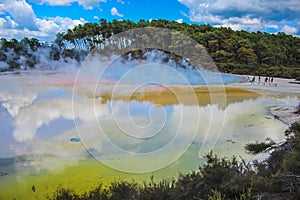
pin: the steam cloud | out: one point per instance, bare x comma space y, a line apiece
152, 67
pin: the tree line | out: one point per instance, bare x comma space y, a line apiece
238, 52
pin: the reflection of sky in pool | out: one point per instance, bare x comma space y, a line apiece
130, 133
43, 113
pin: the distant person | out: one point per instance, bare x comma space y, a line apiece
266, 80
259, 80
253, 80
272, 80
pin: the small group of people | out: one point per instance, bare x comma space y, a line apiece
267, 80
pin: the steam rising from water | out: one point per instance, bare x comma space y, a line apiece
115, 68
42, 59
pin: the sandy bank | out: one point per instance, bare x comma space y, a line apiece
279, 87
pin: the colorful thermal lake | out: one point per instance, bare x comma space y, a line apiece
57, 132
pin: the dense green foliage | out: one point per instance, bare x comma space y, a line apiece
238, 52
277, 177
260, 147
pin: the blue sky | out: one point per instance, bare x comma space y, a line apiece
133, 10
44, 18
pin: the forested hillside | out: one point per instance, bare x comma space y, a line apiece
238, 52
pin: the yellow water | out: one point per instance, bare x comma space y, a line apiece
243, 124
82, 176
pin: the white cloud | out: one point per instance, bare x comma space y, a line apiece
87, 4
179, 20
246, 23
96, 17
47, 28
115, 12
90, 4
54, 2
248, 15
59, 24
289, 29
120, 1
21, 12
24, 23
273, 26
7, 22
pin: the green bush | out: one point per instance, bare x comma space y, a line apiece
277, 177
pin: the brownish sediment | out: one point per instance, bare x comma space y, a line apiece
177, 95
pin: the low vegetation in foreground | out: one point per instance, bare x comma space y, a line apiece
277, 177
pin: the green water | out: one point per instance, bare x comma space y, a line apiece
54, 137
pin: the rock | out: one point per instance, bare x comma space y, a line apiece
33, 188
75, 140
3, 173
